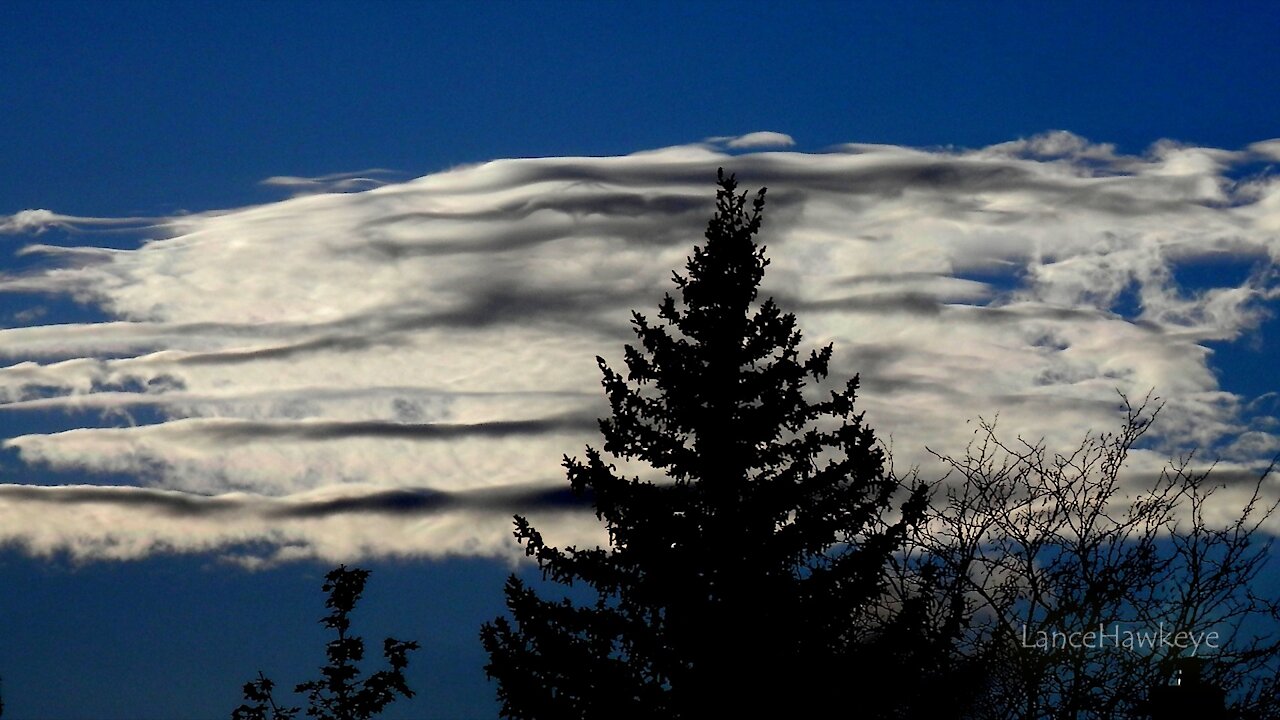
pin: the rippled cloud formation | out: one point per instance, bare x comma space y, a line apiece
395, 369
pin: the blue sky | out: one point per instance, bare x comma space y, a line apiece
279, 355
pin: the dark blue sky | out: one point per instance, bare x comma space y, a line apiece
134, 107
118, 109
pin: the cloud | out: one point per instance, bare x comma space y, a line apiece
332, 183
127, 523
34, 222
442, 332
1057, 144
1269, 149
241, 432
505, 501
755, 140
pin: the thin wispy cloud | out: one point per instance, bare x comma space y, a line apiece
37, 221
333, 182
439, 335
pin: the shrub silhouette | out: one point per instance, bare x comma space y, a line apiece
338, 694
751, 578
1040, 543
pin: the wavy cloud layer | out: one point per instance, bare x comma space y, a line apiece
428, 339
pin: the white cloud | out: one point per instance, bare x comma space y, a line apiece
1269, 149
92, 523
1057, 144
36, 221
754, 140
30, 221
333, 182
321, 343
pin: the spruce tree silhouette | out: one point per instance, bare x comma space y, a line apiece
338, 694
753, 578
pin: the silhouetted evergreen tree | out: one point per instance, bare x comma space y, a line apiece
338, 694
753, 578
